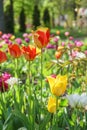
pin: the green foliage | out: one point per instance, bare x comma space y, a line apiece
22, 20
36, 16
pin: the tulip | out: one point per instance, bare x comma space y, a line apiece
18, 40
73, 99
78, 43
58, 85
27, 39
3, 57
66, 34
58, 54
30, 52
52, 104
76, 100
3, 78
14, 50
41, 37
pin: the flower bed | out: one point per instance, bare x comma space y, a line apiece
43, 82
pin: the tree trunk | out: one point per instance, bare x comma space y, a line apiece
12, 15
2, 25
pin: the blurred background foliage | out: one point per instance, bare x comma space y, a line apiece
24, 15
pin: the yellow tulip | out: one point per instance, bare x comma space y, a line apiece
58, 85
52, 104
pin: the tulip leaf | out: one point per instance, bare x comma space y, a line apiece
45, 121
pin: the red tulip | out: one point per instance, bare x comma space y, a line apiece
15, 50
30, 52
3, 57
41, 37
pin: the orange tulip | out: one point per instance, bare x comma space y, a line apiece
41, 37
3, 57
58, 54
15, 50
30, 52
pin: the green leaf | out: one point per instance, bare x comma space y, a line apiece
45, 121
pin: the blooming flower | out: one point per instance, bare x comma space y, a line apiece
30, 52
71, 38
76, 100
41, 37
25, 35
14, 50
73, 99
58, 84
3, 78
50, 46
66, 34
12, 80
3, 56
18, 40
27, 39
78, 43
56, 39
80, 55
52, 104
58, 54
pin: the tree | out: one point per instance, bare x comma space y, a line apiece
2, 25
9, 18
46, 17
22, 19
36, 16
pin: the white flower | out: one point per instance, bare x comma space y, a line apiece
80, 55
73, 99
76, 100
12, 81
83, 100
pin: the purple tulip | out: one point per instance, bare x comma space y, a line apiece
27, 39
50, 46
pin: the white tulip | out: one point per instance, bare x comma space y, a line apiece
76, 100
73, 99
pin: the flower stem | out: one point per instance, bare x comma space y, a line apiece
41, 73
56, 110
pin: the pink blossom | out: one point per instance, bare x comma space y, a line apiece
66, 34
50, 46
78, 43
85, 52
25, 35
3, 78
63, 43
18, 40
71, 38
74, 53
56, 39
